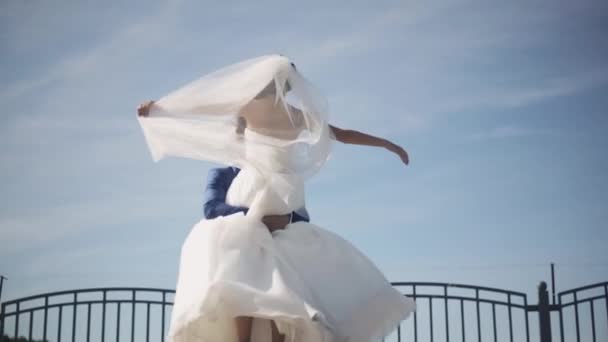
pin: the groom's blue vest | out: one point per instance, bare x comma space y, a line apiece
218, 182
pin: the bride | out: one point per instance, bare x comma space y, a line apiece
258, 276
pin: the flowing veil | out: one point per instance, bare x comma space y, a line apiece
207, 119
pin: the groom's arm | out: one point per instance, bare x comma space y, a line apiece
218, 182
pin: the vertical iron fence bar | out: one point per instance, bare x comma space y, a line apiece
494, 320
578, 333
526, 318
46, 314
147, 322
553, 283
478, 318
431, 315
510, 318
162, 325
561, 318
74, 317
118, 322
462, 319
29, 335
447, 330
415, 316
88, 322
592, 320
17, 321
399, 333
103, 316
133, 316
2, 318
59, 323
606, 301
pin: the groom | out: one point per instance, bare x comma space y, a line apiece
218, 182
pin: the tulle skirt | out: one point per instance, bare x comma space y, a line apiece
315, 285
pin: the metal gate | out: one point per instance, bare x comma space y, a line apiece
445, 312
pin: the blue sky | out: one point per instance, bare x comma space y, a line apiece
502, 107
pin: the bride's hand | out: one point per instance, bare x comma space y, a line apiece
275, 222
144, 108
400, 152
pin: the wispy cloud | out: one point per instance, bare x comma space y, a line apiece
74, 261
554, 87
525, 94
35, 228
505, 132
450, 58
364, 36
127, 42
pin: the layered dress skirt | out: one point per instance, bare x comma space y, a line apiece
313, 284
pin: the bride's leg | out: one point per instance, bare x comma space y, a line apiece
276, 336
243, 328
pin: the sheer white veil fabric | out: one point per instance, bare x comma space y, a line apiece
260, 112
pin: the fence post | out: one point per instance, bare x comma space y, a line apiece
2, 308
2, 278
544, 313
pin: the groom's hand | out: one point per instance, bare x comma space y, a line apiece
275, 222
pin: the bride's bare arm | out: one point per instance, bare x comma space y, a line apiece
349, 136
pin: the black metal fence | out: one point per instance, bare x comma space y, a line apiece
445, 312
583, 313
455, 312
98, 314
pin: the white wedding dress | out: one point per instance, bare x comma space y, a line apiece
314, 284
